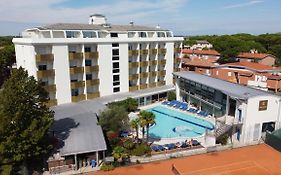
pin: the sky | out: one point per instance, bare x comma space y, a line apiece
184, 17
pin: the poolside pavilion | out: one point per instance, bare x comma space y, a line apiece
252, 111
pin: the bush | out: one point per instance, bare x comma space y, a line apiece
222, 139
141, 149
107, 167
129, 144
171, 95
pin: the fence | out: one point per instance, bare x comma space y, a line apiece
274, 139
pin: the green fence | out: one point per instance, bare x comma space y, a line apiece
274, 139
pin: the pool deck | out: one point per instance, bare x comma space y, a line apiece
205, 140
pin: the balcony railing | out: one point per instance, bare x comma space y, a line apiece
177, 60
133, 76
74, 56
93, 95
133, 53
91, 55
78, 98
162, 62
161, 73
52, 102
89, 69
153, 51
133, 64
151, 85
161, 83
143, 63
92, 82
133, 88
177, 50
153, 74
143, 74
153, 63
177, 69
144, 52
50, 88
76, 70
44, 57
143, 86
78, 84
162, 51
45, 73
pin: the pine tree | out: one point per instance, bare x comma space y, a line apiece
24, 119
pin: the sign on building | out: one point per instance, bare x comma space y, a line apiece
263, 105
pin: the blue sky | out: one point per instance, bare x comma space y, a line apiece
184, 17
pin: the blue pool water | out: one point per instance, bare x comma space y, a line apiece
171, 124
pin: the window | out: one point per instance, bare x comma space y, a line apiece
70, 34
44, 83
89, 34
116, 78
87, 49
115, 52
115, 70
89, 76
42, 67
217, 72
142, 34
115, 44
74, 92
229, 74
115, 65
116, 83
116, 89
114, 58
114, 35
88, 62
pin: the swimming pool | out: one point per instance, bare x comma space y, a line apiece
172, 124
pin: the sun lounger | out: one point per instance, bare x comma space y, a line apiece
155, 148
161, 148
185, 145
195, 143
172, 103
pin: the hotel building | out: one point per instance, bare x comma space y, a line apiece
77, 62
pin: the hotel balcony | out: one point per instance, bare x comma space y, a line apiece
92, 82
161, 73
177, 50
144, 52
144, 75
153, 63
151, 85
50, 88
153, 74
91, 55
143, 86
78, 84
177, 69
90, 69
162, 62
152, 51
133, 53
45, 73
143, 63
161, 83
133, 88
51, 103
177, 60
134, 77
78, 98
133, 64
93, 95
76, 70
44, 57
75, 56
162, 51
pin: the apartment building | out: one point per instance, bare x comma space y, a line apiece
254, 56
78, 62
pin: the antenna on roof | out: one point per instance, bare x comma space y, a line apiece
158, 26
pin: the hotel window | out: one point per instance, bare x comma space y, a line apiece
74, 92
89, 34
115, 58
114, 35
115, 44
88, 62
142, 34
116, 89
116, 83
70, 34
89, 76
42, 67
115, 52
116, 78
87, 49
116, 65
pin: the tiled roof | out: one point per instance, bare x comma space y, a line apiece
200, 52
253, 55
198, 62
251, 65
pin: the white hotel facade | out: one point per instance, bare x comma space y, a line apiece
77, 62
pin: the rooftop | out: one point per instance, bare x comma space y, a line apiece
77, 26
253, 55
201, 52
231, 89
199, 62
251, 65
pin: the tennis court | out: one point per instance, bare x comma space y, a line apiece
252, 160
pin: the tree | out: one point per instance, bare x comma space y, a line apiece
119, 153
135, 124
114, 119
131, 104
24, 119
148, 118
171, 96
7, 59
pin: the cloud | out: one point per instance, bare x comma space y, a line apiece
250, 3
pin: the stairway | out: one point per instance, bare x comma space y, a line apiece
222, 129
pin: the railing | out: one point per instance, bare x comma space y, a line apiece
93, 95
74, 56
133, 76
153, 51
44, 57
50, 88
91, 55
45, 73
153, 63
177, 50
78, 84
133, 52
76, 70
133, 64
143, 75
89, 69
51, 103
153, 74
161, 83
133, 88
162, 51
78, 98
143, 86
177, 69
162, 62
161, 73
177, 60
151, 85
143, 63
92, 82
144, 52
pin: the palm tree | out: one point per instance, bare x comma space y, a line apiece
135, 124
142, 122
119, 153
148, 118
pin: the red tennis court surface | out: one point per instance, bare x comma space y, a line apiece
252, 160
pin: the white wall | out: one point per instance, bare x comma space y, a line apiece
25, 57
169, 62
124, 67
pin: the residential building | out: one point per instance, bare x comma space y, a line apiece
199, 65
246, 112
78, 62
202, 54
262, 58
201, 44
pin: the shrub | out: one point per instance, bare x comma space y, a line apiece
222, 139
171, 95
141, 149
129, 144
107, 167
